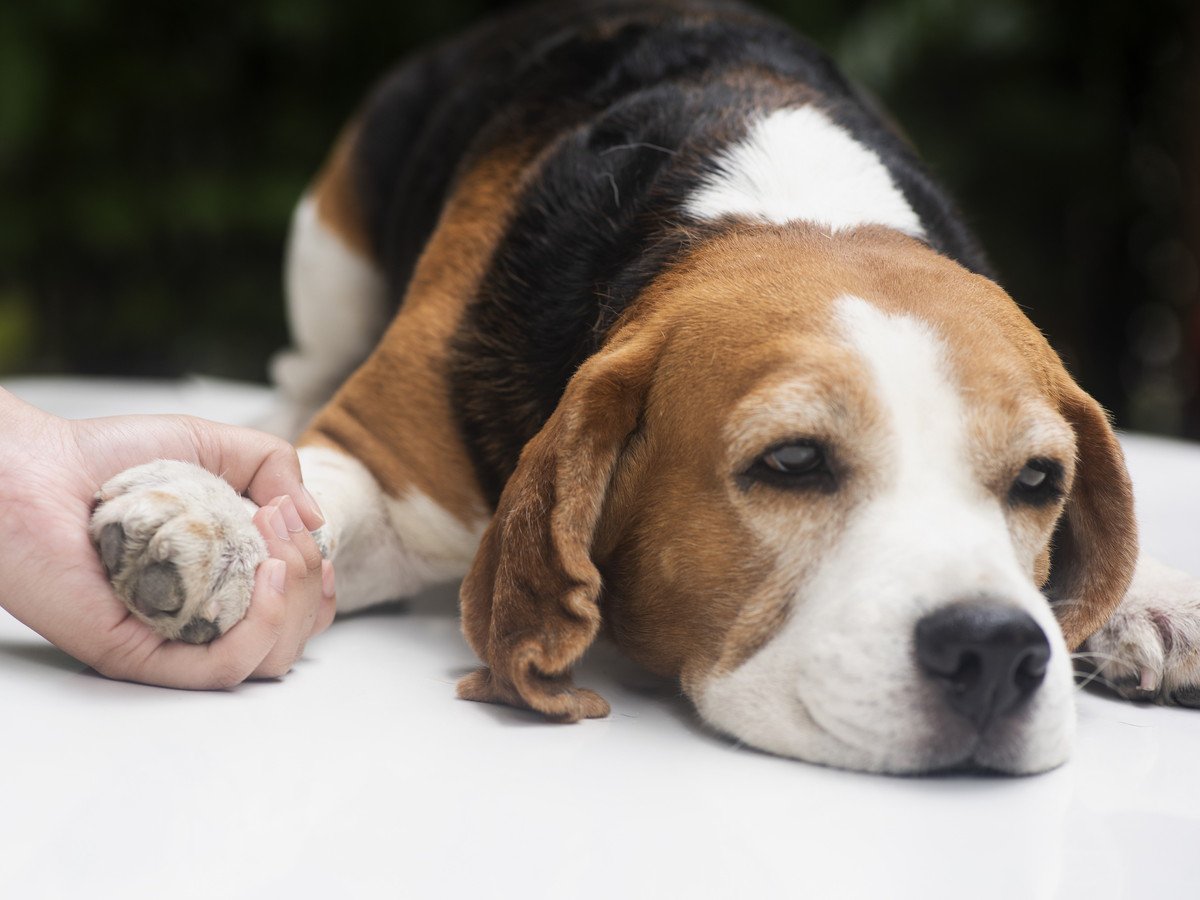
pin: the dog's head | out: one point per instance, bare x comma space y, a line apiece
824, 481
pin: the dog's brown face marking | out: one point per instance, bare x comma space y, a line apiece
695, 569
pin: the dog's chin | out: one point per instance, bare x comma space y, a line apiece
939, 745
977, 755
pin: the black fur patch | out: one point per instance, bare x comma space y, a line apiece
634, 100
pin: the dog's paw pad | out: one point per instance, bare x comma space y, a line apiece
179, 547
111, 543
158, 590
199, 631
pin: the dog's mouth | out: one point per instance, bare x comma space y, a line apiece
941, 744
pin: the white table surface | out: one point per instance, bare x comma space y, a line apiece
360, 774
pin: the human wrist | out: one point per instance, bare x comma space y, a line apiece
22, 426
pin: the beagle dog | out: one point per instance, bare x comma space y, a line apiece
639, 316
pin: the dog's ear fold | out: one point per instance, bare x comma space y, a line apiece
1095, 543
530, 603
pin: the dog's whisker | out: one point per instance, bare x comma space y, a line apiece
638, 145
1095, 654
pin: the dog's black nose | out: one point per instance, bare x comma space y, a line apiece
989, 657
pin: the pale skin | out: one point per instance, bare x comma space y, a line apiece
50, 469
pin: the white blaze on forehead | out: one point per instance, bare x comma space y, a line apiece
797, 165
913, 384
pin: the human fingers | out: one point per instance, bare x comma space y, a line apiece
288, 541
224, 663
328, 599
255, 463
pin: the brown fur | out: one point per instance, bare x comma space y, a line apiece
695, 586
336, 196
530, 601
393, 414
1096, 544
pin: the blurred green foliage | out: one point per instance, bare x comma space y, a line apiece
150, 154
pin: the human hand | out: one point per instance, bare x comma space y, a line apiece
50, 469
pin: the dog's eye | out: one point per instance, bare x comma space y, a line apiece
1038, 482
800, 464
1031, 477
793, 459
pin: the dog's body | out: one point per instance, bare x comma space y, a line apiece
674, 303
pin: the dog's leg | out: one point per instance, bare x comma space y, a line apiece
336, 312
1150, 648
383, 547
336, 298
384, 459
181, 550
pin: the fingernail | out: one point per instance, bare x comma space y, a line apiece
277, 573
290, 517
327, 586
313, 504
279, 526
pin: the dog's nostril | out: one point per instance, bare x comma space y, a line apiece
989, 657
1031, 668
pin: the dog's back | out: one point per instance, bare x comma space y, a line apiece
623, 109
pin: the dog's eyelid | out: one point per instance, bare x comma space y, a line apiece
793, 447
1046, 465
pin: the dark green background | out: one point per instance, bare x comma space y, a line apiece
150, 153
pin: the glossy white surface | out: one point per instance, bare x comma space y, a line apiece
360, 775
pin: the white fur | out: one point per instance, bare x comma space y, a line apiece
337, 310
838, 683
797, 165
1130, 653
383, 548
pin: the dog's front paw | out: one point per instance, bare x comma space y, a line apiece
179, 547
1150, 648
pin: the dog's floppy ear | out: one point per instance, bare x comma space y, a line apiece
1095, 543
530, 603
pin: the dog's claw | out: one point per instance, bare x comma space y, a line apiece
1148, 681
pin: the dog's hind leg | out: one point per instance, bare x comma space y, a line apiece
1150, 648
336, 297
